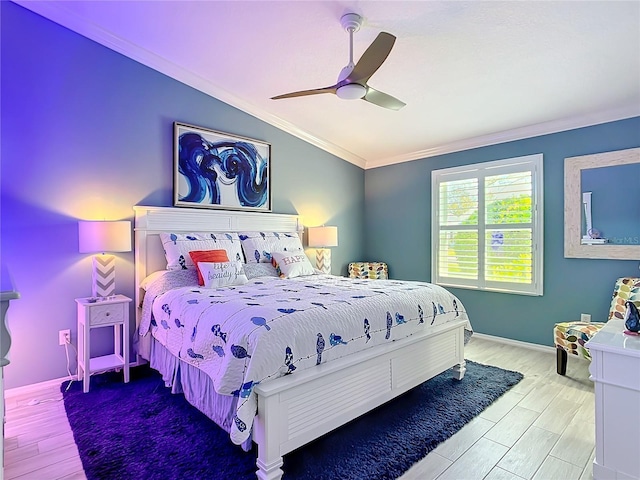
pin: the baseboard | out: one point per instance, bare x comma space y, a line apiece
26, 389
515, 343
34, 387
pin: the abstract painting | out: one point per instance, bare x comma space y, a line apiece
219, 170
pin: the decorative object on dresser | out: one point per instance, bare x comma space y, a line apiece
615, 371
108, 312
322, 238
101, 237
370, 270
631, 319
572, 337
219, 170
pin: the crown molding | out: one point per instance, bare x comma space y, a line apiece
512, 135
56, 12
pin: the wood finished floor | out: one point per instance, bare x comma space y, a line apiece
542, 429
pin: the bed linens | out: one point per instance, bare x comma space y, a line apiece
244, 335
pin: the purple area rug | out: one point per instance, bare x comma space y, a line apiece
141, 431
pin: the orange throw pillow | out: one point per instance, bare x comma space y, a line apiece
207, 256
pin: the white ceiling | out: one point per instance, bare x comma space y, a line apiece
471, 72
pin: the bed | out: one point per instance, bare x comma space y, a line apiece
283, 392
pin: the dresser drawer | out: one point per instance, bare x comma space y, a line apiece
106, 314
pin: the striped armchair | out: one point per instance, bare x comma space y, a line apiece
571, 337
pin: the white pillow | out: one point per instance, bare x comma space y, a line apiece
220, 274
258, 246
148, 280
165, 280
256, 270
290, 265
178, 245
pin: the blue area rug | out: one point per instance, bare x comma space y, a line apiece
141, 431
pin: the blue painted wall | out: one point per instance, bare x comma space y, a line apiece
86, 134
398, 231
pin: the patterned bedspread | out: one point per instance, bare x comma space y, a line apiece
244, 335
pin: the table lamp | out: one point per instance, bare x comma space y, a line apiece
321, 238
102, 237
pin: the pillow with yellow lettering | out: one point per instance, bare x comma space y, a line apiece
290, 265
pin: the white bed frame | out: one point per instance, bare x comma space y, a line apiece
297, 409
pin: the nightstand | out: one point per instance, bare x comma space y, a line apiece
109, 312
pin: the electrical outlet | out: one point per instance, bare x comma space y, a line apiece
585, 317
64, 337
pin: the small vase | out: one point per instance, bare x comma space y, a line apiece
632, 317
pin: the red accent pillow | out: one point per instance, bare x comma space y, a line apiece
207, 256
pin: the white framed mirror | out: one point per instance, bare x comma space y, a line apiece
628, 247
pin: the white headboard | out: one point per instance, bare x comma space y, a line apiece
151, 221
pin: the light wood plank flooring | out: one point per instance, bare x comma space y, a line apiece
542, 429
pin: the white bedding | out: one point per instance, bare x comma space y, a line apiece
241, 336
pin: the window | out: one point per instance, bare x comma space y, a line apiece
487, 226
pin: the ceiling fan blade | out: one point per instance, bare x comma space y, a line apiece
372, 58
303, 93
382, 99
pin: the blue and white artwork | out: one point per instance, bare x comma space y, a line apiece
218, 170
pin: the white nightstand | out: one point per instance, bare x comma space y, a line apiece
111, 312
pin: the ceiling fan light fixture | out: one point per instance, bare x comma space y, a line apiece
351, 91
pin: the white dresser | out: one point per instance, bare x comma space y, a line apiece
615, 370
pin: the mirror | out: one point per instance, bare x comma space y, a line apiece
627, 246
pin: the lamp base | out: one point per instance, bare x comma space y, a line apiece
323, 260
103, 277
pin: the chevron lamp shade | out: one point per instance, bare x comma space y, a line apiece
321, 238
94, 237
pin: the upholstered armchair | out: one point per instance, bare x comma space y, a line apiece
371, 270
571, 337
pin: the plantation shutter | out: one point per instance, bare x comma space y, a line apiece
486, 226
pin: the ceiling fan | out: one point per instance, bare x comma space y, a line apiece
352, 81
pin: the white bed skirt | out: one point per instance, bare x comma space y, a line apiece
196, 386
